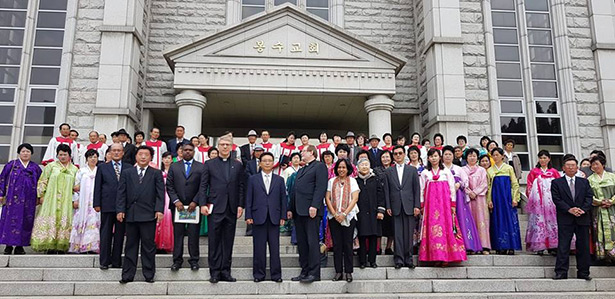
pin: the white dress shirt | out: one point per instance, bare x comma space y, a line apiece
267, 180
400, 172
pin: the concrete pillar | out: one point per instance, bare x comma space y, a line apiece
190, 114
379, 108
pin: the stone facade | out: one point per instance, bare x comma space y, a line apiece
397, 26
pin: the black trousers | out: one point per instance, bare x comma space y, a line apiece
144, 233
367, 249
111, 240
221, 234
342, 245
263, 235
308, 245
179, 230
404, 229
564, 235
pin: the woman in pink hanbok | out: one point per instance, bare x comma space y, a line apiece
477, 192
441, 239
164, 228
542, 225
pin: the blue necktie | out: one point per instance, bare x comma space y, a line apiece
187, 169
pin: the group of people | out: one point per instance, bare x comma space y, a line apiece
439, 201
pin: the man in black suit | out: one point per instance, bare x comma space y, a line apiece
374, 152
252, 166
266, 212
247, 150
130, 150
224, 177
183, 186
306, 206
179, 139
140, 204
572, 197
105, 198
402, 197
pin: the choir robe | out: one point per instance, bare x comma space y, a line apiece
323, 147
100, 147
160, 147
202, 153
272, 148
50, 153
284, 150
236, 153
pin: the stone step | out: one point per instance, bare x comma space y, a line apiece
323, 287
245, 261
245, 274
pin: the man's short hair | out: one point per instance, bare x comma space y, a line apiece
147, 148
267, 154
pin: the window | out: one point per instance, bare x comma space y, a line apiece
38, 104
543, 94
319, 8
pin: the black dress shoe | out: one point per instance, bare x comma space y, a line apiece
228, 278
277, 280
257, 280
175, 267
362, 266
213, 280
411, 266
338, 276
149, 280
19, 250
588, 278
8, 250
125, 281
104, 267
398, 266
194, 267
348, 277
374, 265
560, 277
298, 278
309, 279
388, 251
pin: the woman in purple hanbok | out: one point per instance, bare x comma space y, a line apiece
18, 183
467, 225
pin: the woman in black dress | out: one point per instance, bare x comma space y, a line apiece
387, 223
371, 213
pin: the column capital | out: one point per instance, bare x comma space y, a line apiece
379, 102
190, 98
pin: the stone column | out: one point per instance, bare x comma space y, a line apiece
378, 108
190, 112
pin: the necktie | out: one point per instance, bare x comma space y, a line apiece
117, 170
267, 183
572, 189
188, 168
257, 166
141, 174
251, 150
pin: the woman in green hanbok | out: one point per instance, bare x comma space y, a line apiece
53, 223
603, 185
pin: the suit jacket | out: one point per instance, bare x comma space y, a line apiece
251, 168
245, 153
404, 197
259, 203
309, 189
140, 201
374, 160
186, 190
105, 187
172, 145
564, 200
223, 192
130, 153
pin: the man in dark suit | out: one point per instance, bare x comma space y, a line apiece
374, 151
402, 197
179, 139
266, 212
572, 197
224, 177
130, 150
140, 204
247, 150
252, 166
183, 186
105, 198
306, 206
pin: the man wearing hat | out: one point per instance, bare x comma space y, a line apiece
352, 154
374, 151
252, 168
130, 151
247, 150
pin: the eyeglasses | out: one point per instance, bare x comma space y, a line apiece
398, 153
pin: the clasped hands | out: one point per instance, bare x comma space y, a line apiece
576, 211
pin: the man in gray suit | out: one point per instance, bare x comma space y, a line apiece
402, 196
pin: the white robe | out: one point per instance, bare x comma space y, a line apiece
51, 155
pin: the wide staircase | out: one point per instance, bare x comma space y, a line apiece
491, 276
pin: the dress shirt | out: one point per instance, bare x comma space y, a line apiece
400, 172
267, 180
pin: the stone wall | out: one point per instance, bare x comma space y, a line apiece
84, 69
174, 23
584, 75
